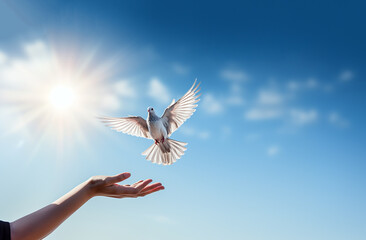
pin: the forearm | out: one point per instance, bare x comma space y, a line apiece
39, 224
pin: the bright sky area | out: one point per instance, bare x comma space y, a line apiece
277, 144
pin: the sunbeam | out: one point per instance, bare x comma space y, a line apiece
54, 94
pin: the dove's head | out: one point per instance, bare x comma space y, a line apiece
151, 116
150, 110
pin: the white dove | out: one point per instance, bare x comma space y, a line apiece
165, 150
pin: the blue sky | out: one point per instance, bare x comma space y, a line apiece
276, 146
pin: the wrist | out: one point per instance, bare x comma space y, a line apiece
90, 188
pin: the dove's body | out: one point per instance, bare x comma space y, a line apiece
165, 150
156, 127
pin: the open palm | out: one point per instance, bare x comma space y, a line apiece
107, 186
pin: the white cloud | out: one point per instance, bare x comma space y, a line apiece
296, 116
311, 83
180, 69
235, 100
124, 88
235, 88
37, 48
36, 66
3, 58
235, 97
204, 135
263, 114
337, 120
346, 76
29, 69
293, 85
158, 91
303, 117
189, 131
211, 105
234, 75
269, 97
273, 150
235, 78
110, 102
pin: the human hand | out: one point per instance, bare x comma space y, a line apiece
107, 186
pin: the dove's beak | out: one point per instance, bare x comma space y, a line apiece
148, 111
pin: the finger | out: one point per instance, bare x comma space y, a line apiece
135, 184
125, 190
151, 191
142, 194
133, 194
117, 178
143, 184
150, 186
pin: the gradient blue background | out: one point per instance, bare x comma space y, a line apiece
277, 145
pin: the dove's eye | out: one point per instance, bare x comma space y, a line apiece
152, 109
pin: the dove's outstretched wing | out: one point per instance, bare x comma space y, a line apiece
135, 126
178, 112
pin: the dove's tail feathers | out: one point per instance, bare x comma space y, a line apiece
165, 153
164, 146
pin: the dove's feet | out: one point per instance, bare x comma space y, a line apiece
162, 141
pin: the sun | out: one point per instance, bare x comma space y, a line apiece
62, 97
55, 91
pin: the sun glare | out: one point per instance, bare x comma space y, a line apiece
62, 97
55, 91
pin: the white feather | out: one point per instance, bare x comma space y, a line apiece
156, 155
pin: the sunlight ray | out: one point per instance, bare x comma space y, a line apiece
54, 92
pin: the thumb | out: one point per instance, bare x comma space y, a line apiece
117, 178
